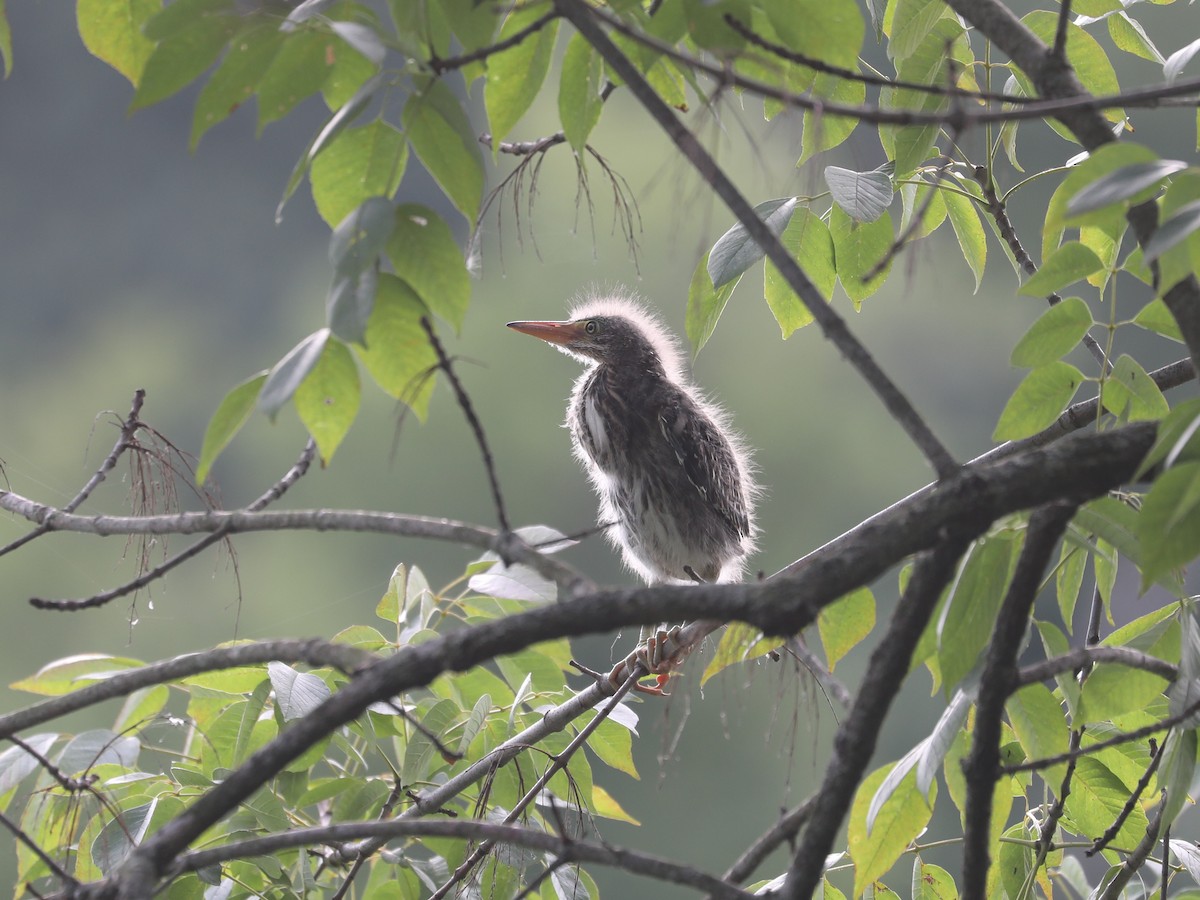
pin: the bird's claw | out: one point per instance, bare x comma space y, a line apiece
658, 655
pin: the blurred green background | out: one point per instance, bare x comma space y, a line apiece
128, 263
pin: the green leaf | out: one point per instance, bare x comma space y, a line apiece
1131, 394
1068, 264
821, 132
1106, 159
1038, 400
941, 53
296, 693
348, 306
418, 754
442, 138
346, 77
605, 805
964, 217
1040, 726
361, 236
1106, 247
1175, 62
1068, 580
1169, 525
424, 253
1183, 259
844, 624
1130, 36
73, 672
397, 353
931, 882
1097, 798
1134, 182
5, 40
112, 31
232, 413
1175, 773
735, 251
897, 824
1155, 316
965, 623
864, 196
1056, 332
808, 240
831, 30
910, 22
858, 247
327, 400
250, 54
360, 163
1085, 56
580, 83
739, 643
281, 382
922, 196
181, 58
515, 75
1175, 441
337, 123
1014, 859
297, 71
705, 305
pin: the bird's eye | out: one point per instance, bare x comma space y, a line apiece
591, 327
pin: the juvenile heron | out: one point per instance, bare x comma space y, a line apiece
673, 479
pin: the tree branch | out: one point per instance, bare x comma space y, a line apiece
240, 521
996, 683
1086, 656
570, 851
314, 651
855, 740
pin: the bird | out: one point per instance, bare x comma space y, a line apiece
674, 481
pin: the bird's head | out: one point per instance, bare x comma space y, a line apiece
610, 331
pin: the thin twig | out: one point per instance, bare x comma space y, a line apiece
1085, 657
464, 403
272, 494
1060, 33
902, 239
68, 879
439, 66
1050, 823
384, 813
1137, 734
1136, 859
560, 762
125, 439
1111, 832
818, 65
999, 213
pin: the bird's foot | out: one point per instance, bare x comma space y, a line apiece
658, 655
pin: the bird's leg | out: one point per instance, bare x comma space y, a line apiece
658, 655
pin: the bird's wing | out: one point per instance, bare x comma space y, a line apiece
708, 461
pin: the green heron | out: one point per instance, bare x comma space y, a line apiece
673, 479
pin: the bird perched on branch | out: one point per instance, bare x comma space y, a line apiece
673, 479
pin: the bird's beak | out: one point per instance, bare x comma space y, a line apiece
563, 333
